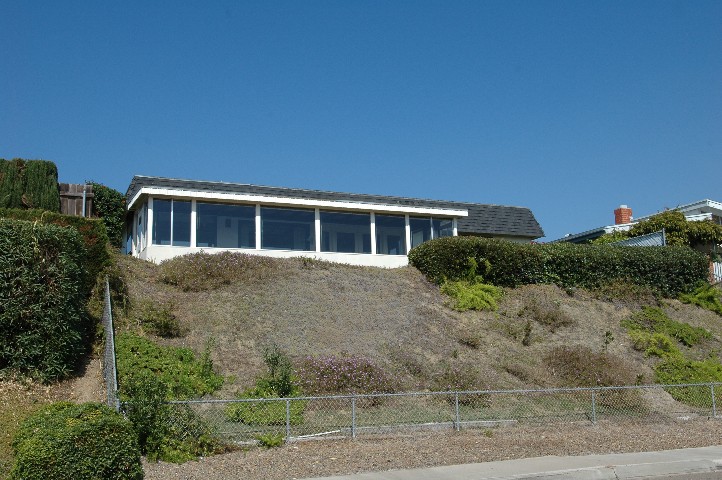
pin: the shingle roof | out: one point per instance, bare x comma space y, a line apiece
483, 219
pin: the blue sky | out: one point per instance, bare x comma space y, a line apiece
570, 108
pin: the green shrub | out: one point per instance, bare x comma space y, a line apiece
207, 271
168, 432
670, 270
653, 319
705, 296
177, 368
69, 441
94, 258
472, 296
29, 184
43, 325
109, 206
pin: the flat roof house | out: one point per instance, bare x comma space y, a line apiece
172, 217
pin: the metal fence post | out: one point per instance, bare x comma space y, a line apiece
288, 420
353, 417
594, 407
457, 420
714, 403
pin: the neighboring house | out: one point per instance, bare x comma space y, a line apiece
171, 217
623, 220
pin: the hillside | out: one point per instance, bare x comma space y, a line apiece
401, 322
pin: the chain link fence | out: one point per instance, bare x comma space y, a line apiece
110, 374
251, 420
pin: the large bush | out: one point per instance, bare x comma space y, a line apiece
68, 441
670, 270
42, 318
94, 256
109, 206
29, 184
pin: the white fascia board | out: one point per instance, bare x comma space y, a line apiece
284, 201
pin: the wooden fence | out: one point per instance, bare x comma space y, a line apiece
71, 199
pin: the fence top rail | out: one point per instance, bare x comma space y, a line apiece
445, 393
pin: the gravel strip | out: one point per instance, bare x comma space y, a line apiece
377, 453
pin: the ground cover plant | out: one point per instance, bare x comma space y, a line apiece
655, 320
342, 374
705, 296
176, 367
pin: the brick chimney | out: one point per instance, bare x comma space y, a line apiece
622, 215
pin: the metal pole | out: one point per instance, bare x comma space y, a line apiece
288, 420
457, 421
353, 417
84, 187
714, 403
594, 407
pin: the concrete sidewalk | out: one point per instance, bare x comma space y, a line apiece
619, 466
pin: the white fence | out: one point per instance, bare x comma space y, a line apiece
716, 272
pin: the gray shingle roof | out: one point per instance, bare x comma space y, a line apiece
483, 219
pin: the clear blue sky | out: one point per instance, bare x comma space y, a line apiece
570, 108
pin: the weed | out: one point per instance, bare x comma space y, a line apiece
552, 316
332, 374
526, 341
158, 319
608, 339
270, 440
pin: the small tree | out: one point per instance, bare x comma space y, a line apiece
109, 205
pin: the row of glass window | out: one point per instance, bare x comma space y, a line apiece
234, 226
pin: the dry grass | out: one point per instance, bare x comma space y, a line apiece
398, 320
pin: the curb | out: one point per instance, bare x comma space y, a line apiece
620, 466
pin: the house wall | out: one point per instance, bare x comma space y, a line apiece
143, 247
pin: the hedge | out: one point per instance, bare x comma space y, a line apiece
96, 255
670, 270
29, 184
80, 442
42, 312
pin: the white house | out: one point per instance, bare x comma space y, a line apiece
170, 217
623, 220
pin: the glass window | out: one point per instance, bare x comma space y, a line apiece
390, 235
443, 227
288, 229
345, 232
161, 221
420, 230
225, 226
175, 214
181, 223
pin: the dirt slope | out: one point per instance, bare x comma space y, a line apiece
399, 320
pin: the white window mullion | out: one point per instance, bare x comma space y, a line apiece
453, 224
171, 221
150, 220
373, 233
193, 223
408, 233
258, 226
317, 229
